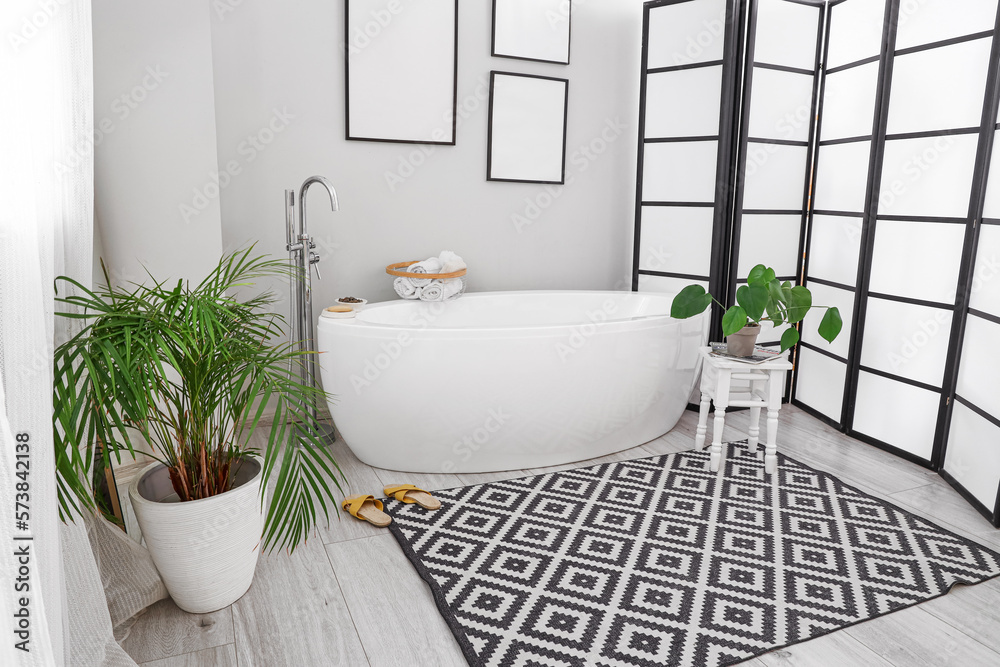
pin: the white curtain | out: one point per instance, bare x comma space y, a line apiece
46, 230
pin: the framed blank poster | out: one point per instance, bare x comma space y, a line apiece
532, 30
402, 66
527, 130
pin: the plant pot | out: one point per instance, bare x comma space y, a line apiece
205, 550
741, 343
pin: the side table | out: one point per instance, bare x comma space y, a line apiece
764, 391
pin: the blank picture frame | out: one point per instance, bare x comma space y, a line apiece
401, 71
537, 30
527, 128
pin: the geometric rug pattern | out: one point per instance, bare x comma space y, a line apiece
660, 561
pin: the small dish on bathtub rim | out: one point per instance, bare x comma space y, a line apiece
338, 312
356, 305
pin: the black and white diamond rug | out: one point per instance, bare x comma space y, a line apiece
660, 561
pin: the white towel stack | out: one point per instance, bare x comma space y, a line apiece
428, 289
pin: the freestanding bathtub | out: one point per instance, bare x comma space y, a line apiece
507, 380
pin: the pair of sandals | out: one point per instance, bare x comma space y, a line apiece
368, 508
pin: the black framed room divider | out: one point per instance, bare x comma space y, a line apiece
862, 134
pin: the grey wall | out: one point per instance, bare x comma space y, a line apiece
277, 76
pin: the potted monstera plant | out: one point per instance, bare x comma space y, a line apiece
763, 299
193, 371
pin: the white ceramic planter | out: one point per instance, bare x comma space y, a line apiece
205, 550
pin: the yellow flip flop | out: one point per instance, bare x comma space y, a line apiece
408, 493
367, 508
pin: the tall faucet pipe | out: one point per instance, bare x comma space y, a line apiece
307, 332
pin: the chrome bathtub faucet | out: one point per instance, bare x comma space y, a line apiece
302, 257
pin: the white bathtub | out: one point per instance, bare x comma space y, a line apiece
507, 380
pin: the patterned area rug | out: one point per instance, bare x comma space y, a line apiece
660, 561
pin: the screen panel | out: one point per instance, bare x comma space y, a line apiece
676, 239
772, 240
822, 389
977, 379
881, 402
856, 28
939, 88
986, 276
780, 90
973, 456
906, 340
927, 21
842, 176
921, 210
682, 171
687, 102
843, 168
971, 460
849, 102
697, 115
903, 252
834, 250
685, 32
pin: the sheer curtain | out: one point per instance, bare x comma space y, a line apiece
46, 229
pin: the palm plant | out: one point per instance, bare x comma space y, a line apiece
193, 372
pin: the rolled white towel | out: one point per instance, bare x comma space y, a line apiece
450, 262
431, 265
441, 290
451, 287
405, 288
432, 292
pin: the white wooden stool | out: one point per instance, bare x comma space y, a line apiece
764, 391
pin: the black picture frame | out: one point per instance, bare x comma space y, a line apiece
491, 132
448, 120
569, 34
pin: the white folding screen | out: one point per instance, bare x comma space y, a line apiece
689, 71
920, 223
843, 169
972, 453
890, 187
776, 137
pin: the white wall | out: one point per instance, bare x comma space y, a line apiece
155, 137
287, 57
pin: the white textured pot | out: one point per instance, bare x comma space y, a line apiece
205, 550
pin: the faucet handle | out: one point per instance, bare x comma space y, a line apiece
314, 261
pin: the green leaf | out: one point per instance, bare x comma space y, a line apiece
753, 298
734, 320
789, 338
799, 300
774, 313
774, 289
691, 301
830, 326
756, 275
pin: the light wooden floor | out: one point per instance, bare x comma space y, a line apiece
331, 603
